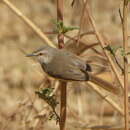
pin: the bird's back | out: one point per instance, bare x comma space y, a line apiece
65, 65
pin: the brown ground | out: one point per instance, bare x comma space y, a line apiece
20, 77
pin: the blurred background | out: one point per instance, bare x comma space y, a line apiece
20, 77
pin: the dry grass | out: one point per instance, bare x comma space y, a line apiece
20, 77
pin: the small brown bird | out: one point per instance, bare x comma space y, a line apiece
64, 65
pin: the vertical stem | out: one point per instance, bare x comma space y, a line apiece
60, 18
62, 83
63, 105
125, 44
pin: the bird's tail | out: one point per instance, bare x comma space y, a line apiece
104, 84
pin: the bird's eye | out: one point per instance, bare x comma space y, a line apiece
40, 54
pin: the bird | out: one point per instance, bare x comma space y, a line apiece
64, 65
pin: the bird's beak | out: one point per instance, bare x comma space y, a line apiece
30, 55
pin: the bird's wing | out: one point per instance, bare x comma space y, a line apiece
66, 66
67, 73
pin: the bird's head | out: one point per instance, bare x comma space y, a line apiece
43, 55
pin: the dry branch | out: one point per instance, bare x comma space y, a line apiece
37, 30
106, 98
125, 45
103, 45
63, 84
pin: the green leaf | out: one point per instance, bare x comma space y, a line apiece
45, 95
67, 29
112, 49
51, 100
61, 28
123, 52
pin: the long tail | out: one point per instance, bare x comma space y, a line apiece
104, 84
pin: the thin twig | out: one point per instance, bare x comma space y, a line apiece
87, 46
63, 85
55, 88
106, 98
120, 16
115, 58
118, 64
37, 30
81, 21
81, 35
102, 43
125, 44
